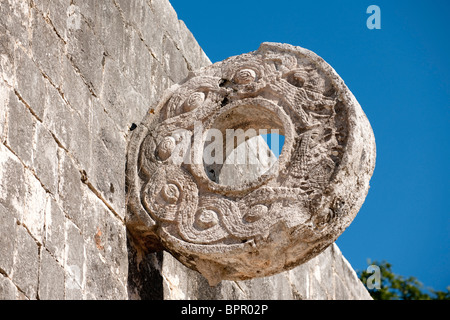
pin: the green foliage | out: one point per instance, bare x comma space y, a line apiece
396, 287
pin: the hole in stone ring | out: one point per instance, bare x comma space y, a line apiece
243, 143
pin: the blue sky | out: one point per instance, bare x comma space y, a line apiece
400, 75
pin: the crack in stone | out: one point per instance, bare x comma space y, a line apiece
77, 70
27, 167
85, 180
240, 288
3, 272
21, 99
47, 20
127, 23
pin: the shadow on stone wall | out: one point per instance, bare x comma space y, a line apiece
144, 274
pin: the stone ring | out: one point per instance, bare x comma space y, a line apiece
230, 218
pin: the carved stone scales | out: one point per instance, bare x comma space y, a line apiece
276, 219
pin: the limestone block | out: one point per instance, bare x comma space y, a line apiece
46, 47
87, 54
4, 101
51, 278
74, 261
107, 166
145, 21
30, 83
8, 290
101, 282
12, 183
7, 72
299, 280
122, 102
21, 129
72, 290
105, 236
105, 20
160, 82
344, 273
26, 263
75, 91
193, 53
235, 172
70, 188
45, 159
174, 61
136, 53
31, 142
166, 18
69, 127
54, 234
7, 232
266, 224
56, 12
35, 199
15, 17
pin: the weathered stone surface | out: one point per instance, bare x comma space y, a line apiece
46, 47
4, 100
26, 263
70, 188
106, 173
104, 19
68, 126
30, 82
7, 289
7, 72
56, 14
101, 282
35, 199
45, 159
193, 53
7, 231
12, 183
87, 55
120, 106
15, 17
51, 278
136, 53
106, 235
21, 129
143, 19
297, 208
75, 258
75, 90
173, 61
54, 235
299, 283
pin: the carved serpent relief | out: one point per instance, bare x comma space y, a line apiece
278, 220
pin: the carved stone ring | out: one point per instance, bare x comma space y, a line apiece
271, 222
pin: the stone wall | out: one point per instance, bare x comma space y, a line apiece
75, 76
329, 276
